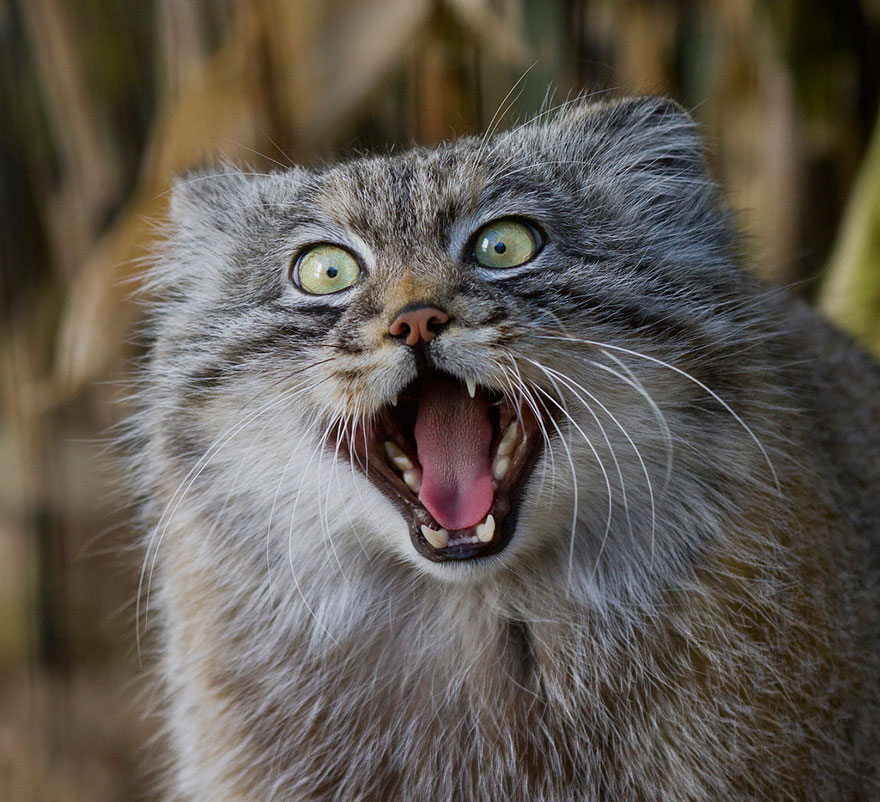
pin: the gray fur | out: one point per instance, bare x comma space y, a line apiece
707, 629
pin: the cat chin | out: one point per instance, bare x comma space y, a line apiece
530, 551
461, 572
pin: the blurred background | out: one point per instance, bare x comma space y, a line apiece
103, 101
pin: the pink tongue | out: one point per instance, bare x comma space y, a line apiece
453, 436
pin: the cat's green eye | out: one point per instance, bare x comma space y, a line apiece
505, 243
325, 269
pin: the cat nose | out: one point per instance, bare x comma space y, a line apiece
418, 325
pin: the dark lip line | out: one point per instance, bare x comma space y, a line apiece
368, 454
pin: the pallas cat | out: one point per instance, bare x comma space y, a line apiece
485, 472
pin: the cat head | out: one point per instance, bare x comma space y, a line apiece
503, 353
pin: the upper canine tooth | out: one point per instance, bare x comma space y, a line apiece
397, 456
501, 467
438, 539
471, 387
413, 480
486, 530
508, 441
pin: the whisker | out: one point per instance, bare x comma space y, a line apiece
684, 374
324, 507
522, 394
290, 559
637, 385
574, 386
349, 419
218, 176
265, 156
293, 453
183, 489
574, 478
503, 108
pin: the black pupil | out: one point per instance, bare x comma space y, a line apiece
500, 247
331, 272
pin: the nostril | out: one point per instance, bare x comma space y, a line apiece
421, 324
399, 327
435, 323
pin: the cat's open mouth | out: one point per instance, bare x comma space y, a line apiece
453, 457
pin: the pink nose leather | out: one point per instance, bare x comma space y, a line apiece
418, 325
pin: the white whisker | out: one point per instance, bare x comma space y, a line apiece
576, 389
632, 380
183, 488
686, 375
290, 559
575, 510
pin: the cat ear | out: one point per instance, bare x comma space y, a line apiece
647, 113
641, 159
212, 212
206, 196
636, 135
204, 215
660, 130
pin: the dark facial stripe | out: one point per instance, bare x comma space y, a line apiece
274, 341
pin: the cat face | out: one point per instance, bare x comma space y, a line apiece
476, 358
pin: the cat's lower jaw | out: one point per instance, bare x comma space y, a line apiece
454, 458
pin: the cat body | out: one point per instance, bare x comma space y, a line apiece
677, 598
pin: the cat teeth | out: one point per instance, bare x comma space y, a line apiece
486, 530
439, 539
506, 446
509, 440
471, 387
500, 468
413, 480
397, 456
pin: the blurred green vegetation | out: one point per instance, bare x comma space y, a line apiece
102, 102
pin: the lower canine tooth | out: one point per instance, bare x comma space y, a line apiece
413, 480
438, 539
486, 530
471, 387
502, 466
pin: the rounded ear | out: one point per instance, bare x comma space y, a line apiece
203, 218
646, 113
667, 134
642, 159
203, 196
644, 134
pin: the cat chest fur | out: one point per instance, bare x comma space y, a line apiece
433, 695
